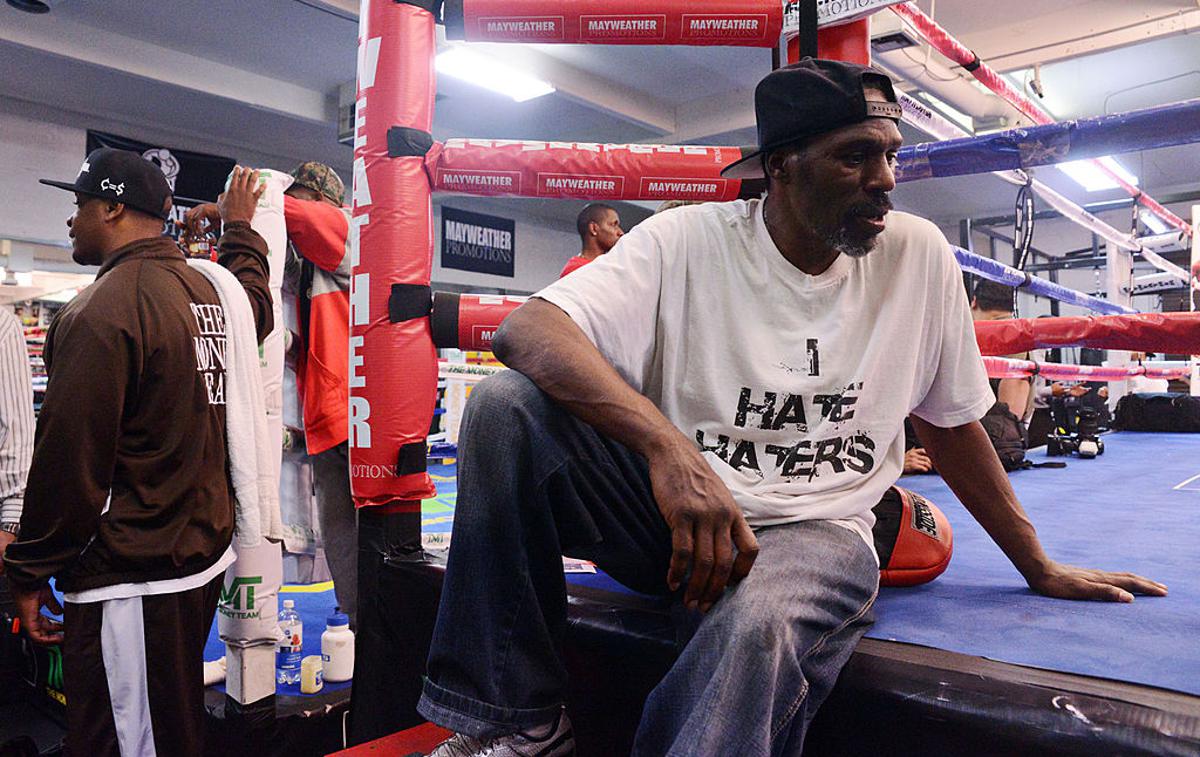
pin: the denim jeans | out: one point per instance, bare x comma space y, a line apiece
534, 483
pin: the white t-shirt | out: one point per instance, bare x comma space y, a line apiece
795, 386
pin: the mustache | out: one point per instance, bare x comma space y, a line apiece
876, 206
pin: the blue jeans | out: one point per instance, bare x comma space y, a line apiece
534, 483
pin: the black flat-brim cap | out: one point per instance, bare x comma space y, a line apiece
810, 98
121, 176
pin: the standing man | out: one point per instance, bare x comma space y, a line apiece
16, 426
710, 412
599, 229
318, 229
129, 505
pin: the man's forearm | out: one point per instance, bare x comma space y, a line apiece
965, 458
542, 342
244, 253
1015, 394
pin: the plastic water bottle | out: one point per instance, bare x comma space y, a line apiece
287, 653
337, 649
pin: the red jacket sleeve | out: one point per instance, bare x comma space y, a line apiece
317, 230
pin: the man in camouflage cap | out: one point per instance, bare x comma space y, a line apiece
320, 179
318, 228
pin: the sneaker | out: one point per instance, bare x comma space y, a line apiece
558, 742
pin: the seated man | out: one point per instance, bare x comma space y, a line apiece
710, 412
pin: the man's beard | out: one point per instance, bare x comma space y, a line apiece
845, 241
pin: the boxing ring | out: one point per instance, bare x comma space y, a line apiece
973, 662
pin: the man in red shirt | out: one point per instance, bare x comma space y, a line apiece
599, 228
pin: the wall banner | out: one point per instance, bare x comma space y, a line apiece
478, 242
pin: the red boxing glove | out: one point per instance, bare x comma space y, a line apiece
912, 537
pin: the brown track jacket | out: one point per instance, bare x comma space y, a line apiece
134, 420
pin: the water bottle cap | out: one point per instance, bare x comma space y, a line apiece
288, 603
338, 619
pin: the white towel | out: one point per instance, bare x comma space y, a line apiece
246, 438
214, 671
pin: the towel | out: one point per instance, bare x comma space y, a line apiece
214, 671
246, 437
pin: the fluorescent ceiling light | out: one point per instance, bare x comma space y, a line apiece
1153, 222
1089, 176
949, 111
482, 71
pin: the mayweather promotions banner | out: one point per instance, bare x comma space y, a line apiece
194, 176
477, 242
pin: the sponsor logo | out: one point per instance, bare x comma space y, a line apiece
580, 185
106, 183
522, 28
922, 517
85, 167
237, 599
663, 188
483, 334
371, 470
169, 164
725, 26
641, 26
594, 147
479, 181
833, 12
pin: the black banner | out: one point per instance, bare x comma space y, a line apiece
477, 242
194, 177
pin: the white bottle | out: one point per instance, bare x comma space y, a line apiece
287, 652
337, 649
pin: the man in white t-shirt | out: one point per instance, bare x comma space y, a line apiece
729, 383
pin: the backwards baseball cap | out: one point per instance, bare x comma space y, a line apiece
122, 176
810, 98
320, 178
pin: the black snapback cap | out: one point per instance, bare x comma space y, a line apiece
121, 176
810, 98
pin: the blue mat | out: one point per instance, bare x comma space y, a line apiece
1124, 511
1136, 508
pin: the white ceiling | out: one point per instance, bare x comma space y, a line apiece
261, 76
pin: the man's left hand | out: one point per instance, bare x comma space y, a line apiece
39, 628
1069, 582
5, 539
201, 219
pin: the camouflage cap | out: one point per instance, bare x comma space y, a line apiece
320, 178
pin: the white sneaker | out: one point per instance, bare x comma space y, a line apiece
559, 742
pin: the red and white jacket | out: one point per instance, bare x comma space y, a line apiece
319, 233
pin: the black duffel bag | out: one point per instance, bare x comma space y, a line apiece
1008, 436
1167, 411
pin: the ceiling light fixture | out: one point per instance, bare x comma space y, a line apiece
485, 72
29, 6
1089, 176
1153, 222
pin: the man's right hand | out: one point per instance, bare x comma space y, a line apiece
706, 525
239, 201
